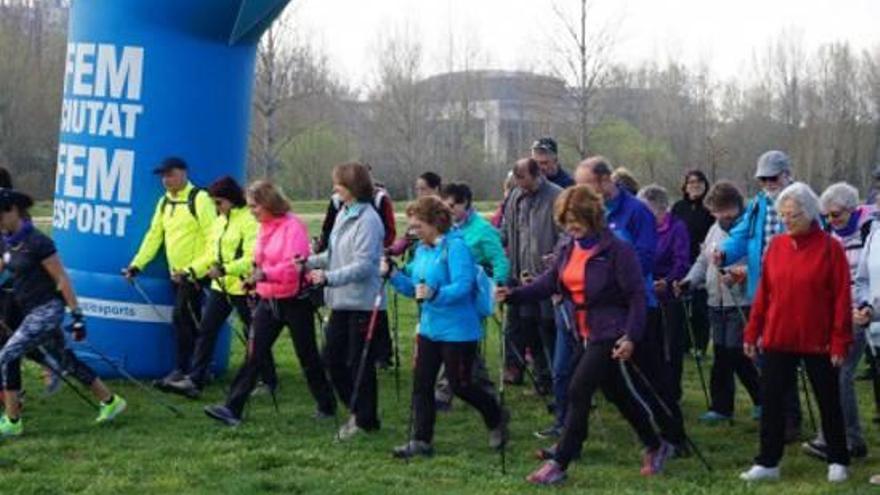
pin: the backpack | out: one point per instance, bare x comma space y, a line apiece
190, 202
484, 288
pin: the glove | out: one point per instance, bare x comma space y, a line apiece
131, 271
77, 328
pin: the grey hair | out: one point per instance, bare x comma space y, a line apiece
803, 196
655, 196
841, 195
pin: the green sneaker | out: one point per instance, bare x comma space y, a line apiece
111, 410
10, 429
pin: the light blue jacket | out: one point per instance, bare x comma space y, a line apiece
448, 268
747, 239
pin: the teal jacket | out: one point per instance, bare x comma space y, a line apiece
448, 268
484, 240
747, 239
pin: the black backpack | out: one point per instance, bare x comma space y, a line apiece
190, 202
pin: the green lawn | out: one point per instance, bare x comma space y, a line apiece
149, 451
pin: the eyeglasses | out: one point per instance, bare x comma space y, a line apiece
835, 214
772, 179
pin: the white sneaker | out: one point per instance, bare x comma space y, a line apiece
837, 473
348, 430
760, 473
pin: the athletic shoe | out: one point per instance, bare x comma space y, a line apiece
760, 473
412, 449
874, 480
837, 473
550, 473
757, 411
349, 430
163, 383
185, 387
51, 382
549, 433
813, 448
10, 429
110, 410
222, 414
654, 460
549, 453
713, 417
498, 435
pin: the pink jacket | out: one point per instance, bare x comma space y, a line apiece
279, 241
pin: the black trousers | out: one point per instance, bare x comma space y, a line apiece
779, 377
649, 358
699, 321
672, 324
595, 369
458, 360
188, 298
343, 344
730, 361
217, 309
270, 318
527, 329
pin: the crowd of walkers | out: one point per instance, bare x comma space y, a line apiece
595, 282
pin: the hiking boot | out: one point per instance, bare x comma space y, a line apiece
412, 449
498, 435
222, 414
550, 473
654, 460
713, 417
549, 433
110, 410
837, 473
349, 430
185, 387
8, 428
814, 448
760, 473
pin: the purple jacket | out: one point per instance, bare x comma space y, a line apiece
615, 289
673, 256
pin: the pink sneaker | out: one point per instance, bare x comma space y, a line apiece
550, 473
653, 460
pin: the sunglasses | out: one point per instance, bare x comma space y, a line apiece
772, 179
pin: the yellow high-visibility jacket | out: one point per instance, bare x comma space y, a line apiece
184, 235
231, 245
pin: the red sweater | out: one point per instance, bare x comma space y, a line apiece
803, 303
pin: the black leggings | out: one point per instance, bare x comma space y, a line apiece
270, 317
217, 309
594, 369
344, 342
458, 360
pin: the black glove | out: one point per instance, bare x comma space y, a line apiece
77, 327
131, 271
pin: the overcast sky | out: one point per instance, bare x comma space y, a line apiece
511, 34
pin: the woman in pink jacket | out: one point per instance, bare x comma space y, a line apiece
282, 237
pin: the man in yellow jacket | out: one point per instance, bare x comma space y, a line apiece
182, 223
227, 260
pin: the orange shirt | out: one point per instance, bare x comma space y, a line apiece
574, 278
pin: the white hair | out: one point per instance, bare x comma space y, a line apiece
803, 196
841, 195
655, 196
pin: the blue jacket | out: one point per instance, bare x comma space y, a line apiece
747, 240
633, 222
449, 269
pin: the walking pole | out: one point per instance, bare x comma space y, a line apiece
50, 363
502, 339
412, 397
222, 284
697, 359
119, 369
666, 410
803, 379
395, 335
371, 327
140, 290
522, 362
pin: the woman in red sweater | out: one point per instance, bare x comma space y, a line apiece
801, 313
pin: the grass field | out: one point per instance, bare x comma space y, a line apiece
149, 451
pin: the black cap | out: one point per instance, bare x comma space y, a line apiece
547, 144
11, 197
169, 164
